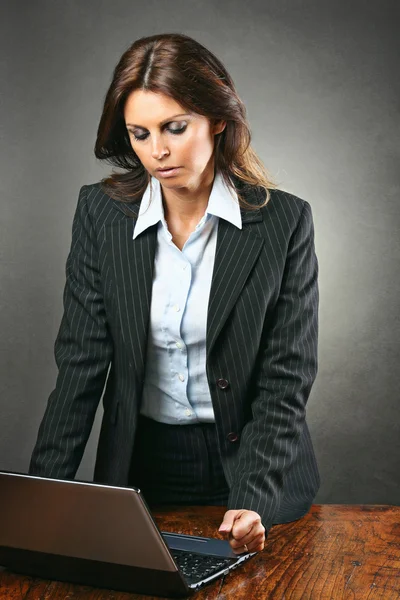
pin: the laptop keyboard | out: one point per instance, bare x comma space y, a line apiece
196, 567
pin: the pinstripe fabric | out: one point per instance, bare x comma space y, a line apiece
178, 464
261, 338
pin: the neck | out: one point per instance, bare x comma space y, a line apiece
184, 207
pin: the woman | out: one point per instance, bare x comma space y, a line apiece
192, 284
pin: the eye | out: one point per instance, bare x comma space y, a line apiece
173, 130
139, 138
177, 131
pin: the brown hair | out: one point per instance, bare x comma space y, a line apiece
183, 69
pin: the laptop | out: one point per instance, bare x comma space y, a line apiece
103, 536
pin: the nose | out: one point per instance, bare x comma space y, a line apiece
158, 149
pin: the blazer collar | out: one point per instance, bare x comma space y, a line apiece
223, 203
253, 194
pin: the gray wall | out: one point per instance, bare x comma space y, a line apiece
320, 85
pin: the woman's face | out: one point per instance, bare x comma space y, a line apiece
163, 135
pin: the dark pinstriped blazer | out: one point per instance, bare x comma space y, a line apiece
261, 339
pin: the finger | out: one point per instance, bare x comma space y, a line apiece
256, 536
255, 530
228, 520
253, 544
256, 548
243, 526
246, 549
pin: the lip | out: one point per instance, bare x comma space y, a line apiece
170, 172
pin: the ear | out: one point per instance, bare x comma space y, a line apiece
218, 127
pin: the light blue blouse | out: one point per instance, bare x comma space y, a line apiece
176, 388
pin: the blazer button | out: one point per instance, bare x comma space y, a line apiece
232, 437
222, 384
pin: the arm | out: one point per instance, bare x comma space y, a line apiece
286, 372
83, 351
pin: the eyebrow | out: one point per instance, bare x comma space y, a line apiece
162, 122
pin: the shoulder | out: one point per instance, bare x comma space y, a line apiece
282, 206
99, 207
284, 215
285, 205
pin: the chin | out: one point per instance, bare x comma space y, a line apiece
167, 181
172, 181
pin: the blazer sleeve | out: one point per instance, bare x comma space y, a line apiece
83, 350
284, 377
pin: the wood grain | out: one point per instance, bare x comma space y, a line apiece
335, 552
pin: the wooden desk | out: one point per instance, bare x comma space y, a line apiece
335, 552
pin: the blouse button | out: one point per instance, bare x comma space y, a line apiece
232, 437
222, 384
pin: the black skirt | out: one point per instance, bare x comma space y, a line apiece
178, 464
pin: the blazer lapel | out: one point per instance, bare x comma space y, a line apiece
236, 252
133, 264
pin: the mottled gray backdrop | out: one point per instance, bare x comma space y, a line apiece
320, 82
